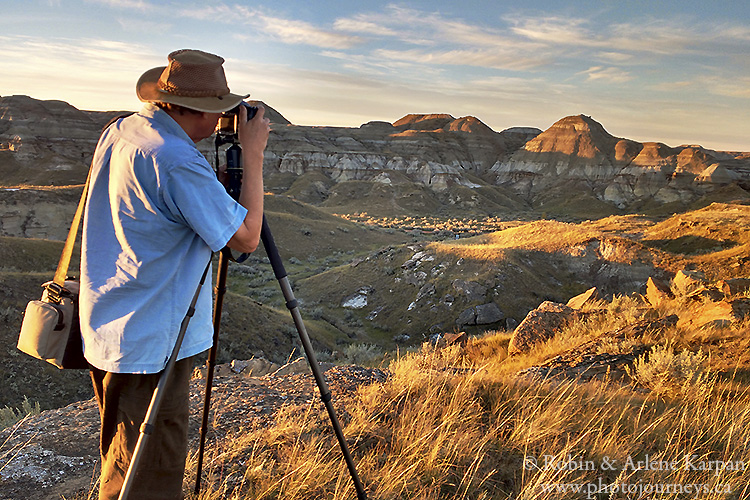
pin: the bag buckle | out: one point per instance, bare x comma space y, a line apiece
55, 292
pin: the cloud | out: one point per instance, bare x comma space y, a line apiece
673, 86
727, 87
220, 12
89, 73
300, 32
485, 58
614, 57
373, 66
139, 5
607, 74
416, 27
646, 36
289, 31
555, 30
363, 26
428, 39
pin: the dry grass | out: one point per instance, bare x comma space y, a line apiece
457, 423
546, 236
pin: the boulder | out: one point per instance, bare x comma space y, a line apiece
540, 325
735, 286
588, 298
357, 300
449, 339
721, 313
642, 327
425, 291
484, 314
657, 292
706, 293
488, 314
471, 289
686, 282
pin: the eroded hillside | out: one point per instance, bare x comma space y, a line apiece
493, 280
424, 164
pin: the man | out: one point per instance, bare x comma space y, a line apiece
155, 213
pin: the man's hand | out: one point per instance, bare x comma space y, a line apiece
253, 134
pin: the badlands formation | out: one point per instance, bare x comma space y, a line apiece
452, 165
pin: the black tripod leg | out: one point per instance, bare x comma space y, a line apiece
325, 393
221, 288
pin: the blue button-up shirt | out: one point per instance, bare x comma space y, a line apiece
155, 212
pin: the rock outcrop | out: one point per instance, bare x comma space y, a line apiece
592, 360
578, 151
540, 325
701, 303
437, 151
46, 142
430, 160
44, 213
610, 356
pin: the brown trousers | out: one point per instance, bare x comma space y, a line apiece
123, 401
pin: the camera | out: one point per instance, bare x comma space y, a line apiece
226, 129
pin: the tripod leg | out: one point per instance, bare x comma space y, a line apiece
325, 393
221, 288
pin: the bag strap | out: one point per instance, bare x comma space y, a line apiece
67, 253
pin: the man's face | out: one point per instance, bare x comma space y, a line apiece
208, 124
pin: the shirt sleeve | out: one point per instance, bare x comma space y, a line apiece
195, 196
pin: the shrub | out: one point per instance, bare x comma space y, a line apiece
666, 372
363, 354
9, 416
8, 313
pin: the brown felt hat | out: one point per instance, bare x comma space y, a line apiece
193, 79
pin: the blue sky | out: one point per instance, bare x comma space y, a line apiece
667, 71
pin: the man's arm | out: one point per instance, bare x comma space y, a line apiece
253, 137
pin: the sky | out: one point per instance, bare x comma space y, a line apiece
676, 72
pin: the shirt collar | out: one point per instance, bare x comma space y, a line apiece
164, 121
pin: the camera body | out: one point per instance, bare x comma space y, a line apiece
227, 127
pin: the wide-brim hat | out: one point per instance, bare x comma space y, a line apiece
193, 79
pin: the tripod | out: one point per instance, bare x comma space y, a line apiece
234, 172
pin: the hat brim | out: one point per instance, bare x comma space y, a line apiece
147, 90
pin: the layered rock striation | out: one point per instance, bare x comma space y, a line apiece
578, 152
437, 151
436, 159
46, 142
